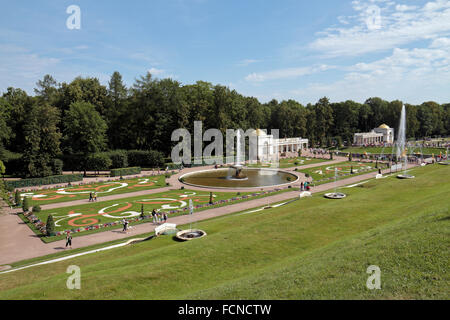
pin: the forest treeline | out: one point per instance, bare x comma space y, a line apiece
86, 125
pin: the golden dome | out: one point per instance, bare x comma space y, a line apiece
384, 126
259, 132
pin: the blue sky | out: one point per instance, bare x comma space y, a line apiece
284, 49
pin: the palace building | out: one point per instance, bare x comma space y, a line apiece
378, 136
269, 147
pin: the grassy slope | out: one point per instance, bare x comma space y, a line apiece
312, 248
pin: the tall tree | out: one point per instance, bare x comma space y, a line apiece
42, 140
84, 130
47, 89
116, 111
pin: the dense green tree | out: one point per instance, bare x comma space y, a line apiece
84, 130
42, 140
47, 90
18, 105
117, 101
84, 89
324, 119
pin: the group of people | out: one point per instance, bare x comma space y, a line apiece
93, 197
159, 217
304, 186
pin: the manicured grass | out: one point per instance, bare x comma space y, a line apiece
95, 213
311, 248
322, 173
292, 162
390, 150
106, 188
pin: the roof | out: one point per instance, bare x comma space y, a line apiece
384, 126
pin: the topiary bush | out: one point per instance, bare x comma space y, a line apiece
26, 204
37, 208
50, 226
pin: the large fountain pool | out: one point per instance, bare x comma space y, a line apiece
222, 178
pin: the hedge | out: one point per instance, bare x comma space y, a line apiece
125, 171
44, 181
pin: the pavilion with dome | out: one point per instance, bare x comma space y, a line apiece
378, 136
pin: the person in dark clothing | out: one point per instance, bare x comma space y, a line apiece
69, 240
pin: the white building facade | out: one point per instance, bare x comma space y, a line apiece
269, 148
378, 136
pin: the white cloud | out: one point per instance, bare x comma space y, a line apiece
285, 73
397, 26
156, 72
414, 75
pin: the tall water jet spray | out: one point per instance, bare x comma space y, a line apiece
238, 173
402, 150
238, 148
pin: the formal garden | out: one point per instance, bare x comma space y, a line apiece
323, 246
108, 215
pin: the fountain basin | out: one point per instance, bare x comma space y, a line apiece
254, 178
405, 176
190, 234
335, 195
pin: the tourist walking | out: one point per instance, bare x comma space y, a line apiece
165, 217
95, 196
68, 240
125, 225
301, 186
154, 216
90, 197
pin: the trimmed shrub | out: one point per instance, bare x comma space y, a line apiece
98, 162
37, 208
125, 171
119, 158
44, 181
26, 204
50, 226
57, 167
17, 198
145, 158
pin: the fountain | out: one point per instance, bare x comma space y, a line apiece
238, 167
402, 149
238, 176
187, 235
335, 195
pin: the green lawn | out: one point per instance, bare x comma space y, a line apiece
310, 249
95, 213
323, 174
56, 195
390, 150
292, 162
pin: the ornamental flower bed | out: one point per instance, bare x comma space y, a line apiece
41, 226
